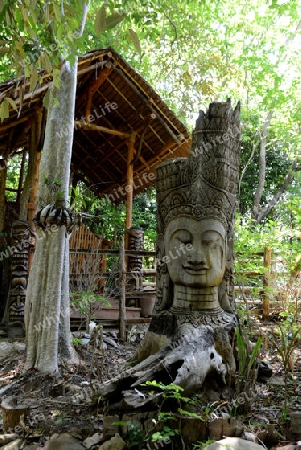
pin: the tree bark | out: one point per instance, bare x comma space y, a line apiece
287, 182
47, 314
262, 166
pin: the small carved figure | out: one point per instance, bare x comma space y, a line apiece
22, 238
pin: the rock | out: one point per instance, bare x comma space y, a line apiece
19, 346
64, 442
14, 445
265, 370
287, 447
6, 438
109, 341
249, 436
7, 348
115, 443
92, 440
235, 443
113, 334
276, 381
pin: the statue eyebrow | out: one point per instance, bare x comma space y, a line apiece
182, 231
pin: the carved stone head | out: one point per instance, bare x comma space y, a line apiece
196, 199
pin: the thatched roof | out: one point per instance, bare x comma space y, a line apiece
116, 97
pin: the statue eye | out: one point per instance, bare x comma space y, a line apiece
183, 236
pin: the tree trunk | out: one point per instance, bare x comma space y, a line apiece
47, 315
262, 166
261, 214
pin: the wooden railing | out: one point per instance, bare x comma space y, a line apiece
254, 280
256, 287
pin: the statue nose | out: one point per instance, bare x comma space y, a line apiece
198, 256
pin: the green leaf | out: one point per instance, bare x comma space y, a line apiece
57, 12
33, 79
27, 70
4, 111
1, 5
114, 19
100, 20
135, 39
45, 61
46, 99
12, 103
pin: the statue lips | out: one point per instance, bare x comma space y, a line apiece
195, 269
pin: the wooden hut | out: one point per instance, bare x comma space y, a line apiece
123, 129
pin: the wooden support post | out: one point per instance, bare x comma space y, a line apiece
21, 178
3, 174
129, 180
122, 295
267, 256
34, 161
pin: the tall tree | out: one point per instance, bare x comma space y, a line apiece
47, 307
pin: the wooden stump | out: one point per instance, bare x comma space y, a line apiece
12, 410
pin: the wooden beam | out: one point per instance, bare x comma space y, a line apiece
91, 126
95, 85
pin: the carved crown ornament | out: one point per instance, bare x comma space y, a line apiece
203, 185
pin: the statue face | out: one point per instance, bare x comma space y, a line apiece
196, 252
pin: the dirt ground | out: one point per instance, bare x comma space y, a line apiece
60, 404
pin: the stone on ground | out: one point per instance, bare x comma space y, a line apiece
115, 443
64, 442
15, 445
233, 443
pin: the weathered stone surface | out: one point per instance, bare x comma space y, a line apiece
92, 440
7, 348
64, 442
276, 381
8, 437
115, 443
14, 445
235, 443
249, 436
265, 370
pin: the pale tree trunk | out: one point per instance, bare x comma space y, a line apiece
262, 166
260, 213
47, 314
